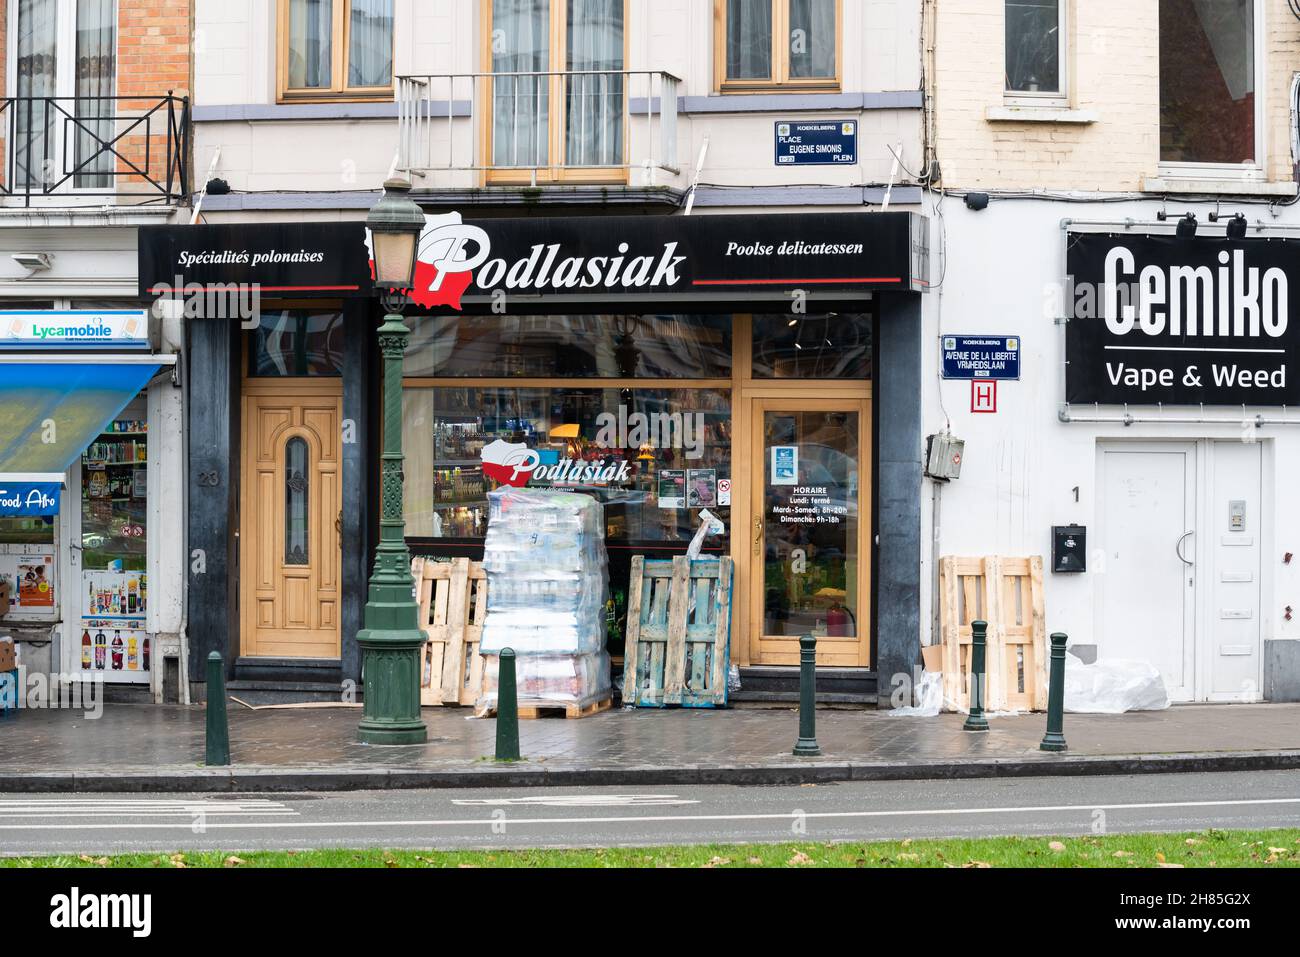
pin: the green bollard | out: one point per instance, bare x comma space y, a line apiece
806, 746
507, 708
1054, 739
218, 726
975, 721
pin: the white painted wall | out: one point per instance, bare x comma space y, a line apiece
1022, 463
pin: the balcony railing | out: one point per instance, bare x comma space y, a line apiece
132, 148
542, 127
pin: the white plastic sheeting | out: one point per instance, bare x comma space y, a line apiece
1113, 686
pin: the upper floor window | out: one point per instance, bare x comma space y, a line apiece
65, 71
336, 48
557, 89
1035, 51
761, 44
1208, 63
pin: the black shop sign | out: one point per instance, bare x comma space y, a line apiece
563, 258
1157, 319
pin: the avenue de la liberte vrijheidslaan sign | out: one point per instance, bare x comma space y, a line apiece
1158, 319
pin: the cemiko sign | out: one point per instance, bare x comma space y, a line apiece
1157, 319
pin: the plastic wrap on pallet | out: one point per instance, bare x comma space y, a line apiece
562, 679
548, 577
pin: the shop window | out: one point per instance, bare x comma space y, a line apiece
1208, 69
336, 48
579, 108
296, 493
654, 457
296, 342
1035, 51
676, 347
830, 346
761, 44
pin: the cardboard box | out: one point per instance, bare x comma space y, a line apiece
932, 658
8, 655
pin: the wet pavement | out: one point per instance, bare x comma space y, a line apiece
150, 738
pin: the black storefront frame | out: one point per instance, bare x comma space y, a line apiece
333, 265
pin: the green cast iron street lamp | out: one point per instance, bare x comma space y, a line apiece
391, 639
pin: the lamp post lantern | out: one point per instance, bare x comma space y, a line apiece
391, 639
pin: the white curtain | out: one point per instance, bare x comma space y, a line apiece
812, 38
593, 119
96, 80
36, 78
370, 43
749, 39
520, 108
311, 51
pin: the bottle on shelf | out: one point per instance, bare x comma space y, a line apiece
117, 651
87, 655
101, 650
132, 658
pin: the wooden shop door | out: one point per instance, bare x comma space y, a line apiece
291, 498
809, 529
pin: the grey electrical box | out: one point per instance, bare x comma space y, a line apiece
1237, 515
943, 456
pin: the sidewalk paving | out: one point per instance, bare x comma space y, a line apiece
152, 747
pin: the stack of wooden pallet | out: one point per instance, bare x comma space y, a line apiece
678, 628
1007, 593
453, 604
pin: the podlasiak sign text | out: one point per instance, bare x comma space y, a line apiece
1161, 320
462, 263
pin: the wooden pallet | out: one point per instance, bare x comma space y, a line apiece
666, 631
1008, 594
453, 606
530, 708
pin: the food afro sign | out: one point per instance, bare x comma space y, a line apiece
1161, 320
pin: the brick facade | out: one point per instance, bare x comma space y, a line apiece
1113, 72
154, 56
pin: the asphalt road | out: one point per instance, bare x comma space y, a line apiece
45, 824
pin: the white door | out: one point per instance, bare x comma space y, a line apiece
1146, 585
1234, 524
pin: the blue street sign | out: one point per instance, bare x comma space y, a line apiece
981, 357
819, 143
24, 499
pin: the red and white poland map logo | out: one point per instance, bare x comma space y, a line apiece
448, 253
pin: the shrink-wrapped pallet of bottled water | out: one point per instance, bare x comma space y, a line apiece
548, 581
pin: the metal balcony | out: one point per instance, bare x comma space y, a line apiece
526, 128
67, 150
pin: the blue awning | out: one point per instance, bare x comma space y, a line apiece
51, 410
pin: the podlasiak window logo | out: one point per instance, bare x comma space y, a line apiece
515, 464
454, 254
81, 911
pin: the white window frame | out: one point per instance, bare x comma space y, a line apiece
1254, 171
1052, 99
65, 79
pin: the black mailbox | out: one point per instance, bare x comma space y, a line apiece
1069, 548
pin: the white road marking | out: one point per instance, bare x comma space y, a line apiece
119, 808
580, 800
668, 818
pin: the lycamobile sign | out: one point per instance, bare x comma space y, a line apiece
74, 329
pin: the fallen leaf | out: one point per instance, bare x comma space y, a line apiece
717, 862
475, 866
1160, 857
906, 842
755, 860
389, 862
1279, 850
85, 857
799, 858
1163, 864
909, 857
1122, 854
233, 861
1056, 846
1192, 840
977, 864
